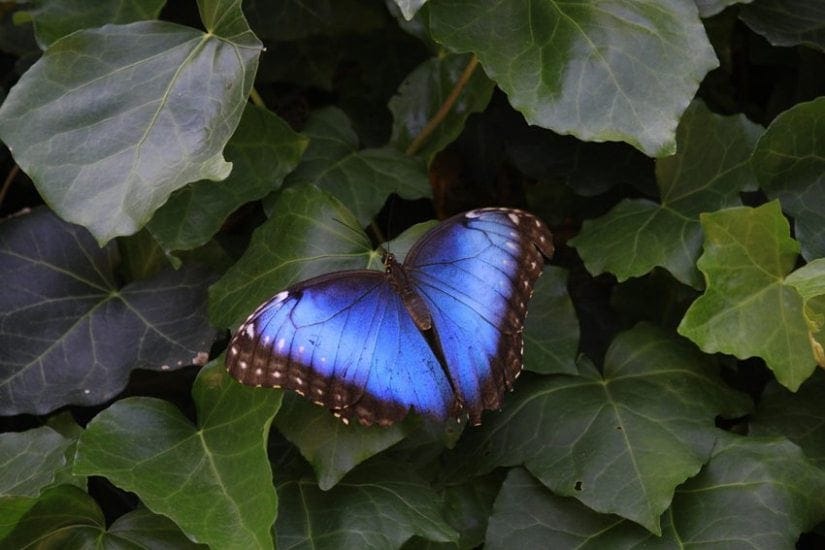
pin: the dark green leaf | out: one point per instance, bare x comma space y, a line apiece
787, 22
789, 161
295, 19
373, 507
262, 151
54, 19
308, 234
619, 442
330, 446
706, 174
66, 517
551, 331
754, 493
708, 8
110, 121
213, 480
68, 333
361, 179
798, 416
748, 253
424, 91
30, 460
610, 70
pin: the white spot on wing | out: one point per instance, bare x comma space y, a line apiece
234, 350
281, 344
472, 214
513, 218
280, 297
243, 365
249, 330
511, 245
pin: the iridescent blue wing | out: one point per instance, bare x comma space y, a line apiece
475, 271
345, 341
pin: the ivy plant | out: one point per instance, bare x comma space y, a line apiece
166, 167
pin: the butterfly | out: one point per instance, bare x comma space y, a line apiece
440, 333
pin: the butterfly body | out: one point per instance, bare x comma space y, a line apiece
440, 333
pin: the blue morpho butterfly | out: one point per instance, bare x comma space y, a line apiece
440, 333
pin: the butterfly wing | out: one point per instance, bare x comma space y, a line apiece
476, 271
345, 341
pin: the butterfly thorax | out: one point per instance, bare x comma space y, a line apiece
400, 282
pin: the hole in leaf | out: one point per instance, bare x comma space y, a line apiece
578, 486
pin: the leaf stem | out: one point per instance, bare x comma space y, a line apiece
8, 181
439, 116
256, 98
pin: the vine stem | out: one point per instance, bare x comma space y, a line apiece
8, 181
442, 112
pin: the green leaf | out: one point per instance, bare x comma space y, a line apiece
551, 331
30, 460
212, 480
787, 22
409, 7
263, 150
295, 19
361, 179
54, 19
375, 506
748, 309
754, 493
798, 416
809, 282
110, 121
69, 335
619, 442
789, 161
708, 8
706, 174
330, 446
609, 70
425, 90
66, 517
308, 234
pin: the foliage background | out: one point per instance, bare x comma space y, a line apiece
676, 149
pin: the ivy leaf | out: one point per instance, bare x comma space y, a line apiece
809, 282
332, 448
67, 517
105, 152
295, 19
798, 416
212, 480
68, 335
754, 492
375, 506
551, 330
748, 253
409, 7
707, 173
308, 234
263, 150
361, 179
789, 161
54, 19
619, 442
607, 71
31, 460
709, 8
425, 90
786, 22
